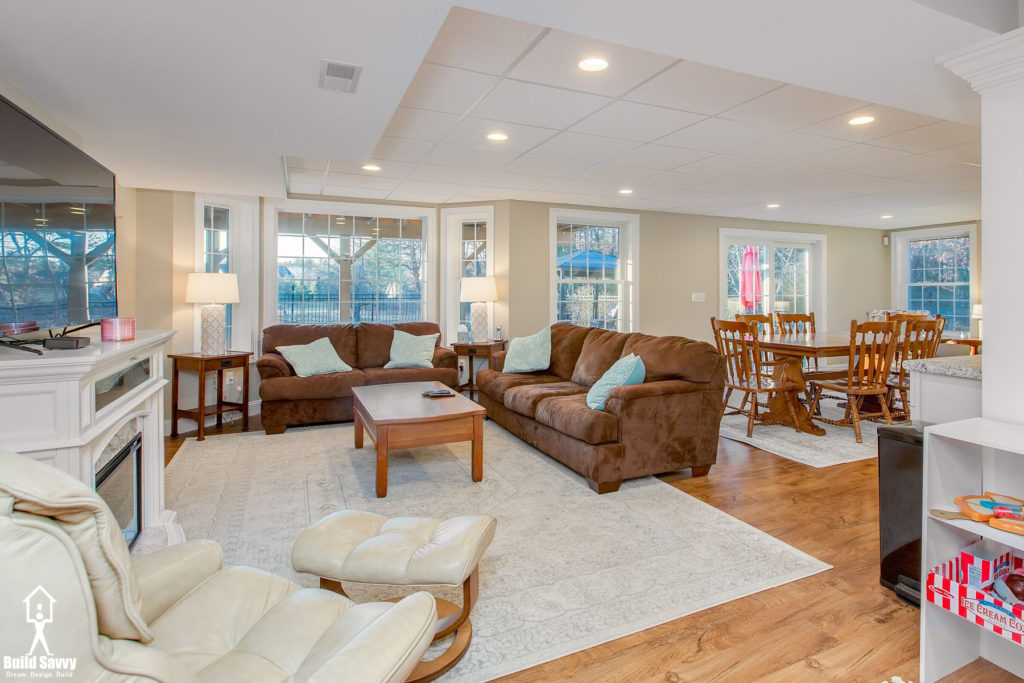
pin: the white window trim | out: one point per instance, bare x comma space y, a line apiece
271, 207
630, 223
244, 258
819, 258
900, 241
451, 264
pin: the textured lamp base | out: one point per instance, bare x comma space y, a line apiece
478, 321
213, 320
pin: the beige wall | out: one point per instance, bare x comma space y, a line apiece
679, 254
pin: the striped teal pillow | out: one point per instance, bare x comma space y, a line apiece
315, 358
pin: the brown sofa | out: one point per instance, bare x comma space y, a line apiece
670, 422
289, 400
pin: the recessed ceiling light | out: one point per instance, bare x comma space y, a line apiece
625, 190
593, 64
886, 217
371, 167
861, 120
771, 206
497, 136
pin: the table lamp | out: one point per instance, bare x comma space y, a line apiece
976, 314
478, 290
213, 290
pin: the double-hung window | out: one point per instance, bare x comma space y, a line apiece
594, 269
348, 264
935, 270
216, 245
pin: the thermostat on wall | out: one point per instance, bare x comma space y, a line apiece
698, 297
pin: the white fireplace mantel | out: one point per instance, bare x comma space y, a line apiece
49, 410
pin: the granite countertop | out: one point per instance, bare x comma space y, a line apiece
968, 367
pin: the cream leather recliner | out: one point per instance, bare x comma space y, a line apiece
74, 603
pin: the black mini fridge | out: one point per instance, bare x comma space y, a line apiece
900, 460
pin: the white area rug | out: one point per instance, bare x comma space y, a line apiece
838, 446
567, 570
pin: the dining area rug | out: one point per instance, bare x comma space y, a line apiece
838, 445
567, 570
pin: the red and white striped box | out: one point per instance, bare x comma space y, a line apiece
984, 562
117, 329
944, 589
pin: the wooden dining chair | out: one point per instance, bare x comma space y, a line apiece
764, 322
794, 323
747, 372
918, 339
905, 317
872, 345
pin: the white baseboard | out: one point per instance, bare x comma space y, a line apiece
211, 420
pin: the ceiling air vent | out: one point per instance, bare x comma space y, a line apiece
339, 76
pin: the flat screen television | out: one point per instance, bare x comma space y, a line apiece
57, 248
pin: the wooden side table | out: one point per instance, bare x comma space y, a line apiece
478, 350
200, 364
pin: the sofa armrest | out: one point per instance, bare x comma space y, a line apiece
498, 360
385, 647
167, 575
445, 358
273, 365
676, 419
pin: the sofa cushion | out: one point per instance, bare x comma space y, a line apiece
529, 354
343, 338
600, 349
570, 415
495, 384
566, 344
373, 341
412, 351
334, 385
674, 357
525, 398
449, 376
314, 358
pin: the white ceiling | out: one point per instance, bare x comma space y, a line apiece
210, 96
683, 136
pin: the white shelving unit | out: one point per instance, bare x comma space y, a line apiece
963, 458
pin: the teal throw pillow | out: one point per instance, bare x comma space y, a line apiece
411, 351
625, 371
315, 358
529, 354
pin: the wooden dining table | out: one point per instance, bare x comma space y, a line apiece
798, 347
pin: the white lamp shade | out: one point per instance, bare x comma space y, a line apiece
976, 311
478, 289
211, 288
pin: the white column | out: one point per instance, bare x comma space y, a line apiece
995, 69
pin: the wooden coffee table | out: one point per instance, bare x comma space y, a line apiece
398, 416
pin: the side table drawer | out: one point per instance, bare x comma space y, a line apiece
476, 351
225, 363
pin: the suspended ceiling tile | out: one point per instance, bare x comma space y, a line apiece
401, 149
888, 121
480, 42
420, 124
790, 147
547, 166
969, 152
554, 61
659, 157
634, 121
537, 105
720, 135
474, 131
855, 156
362, 181
614, 173
932, 137
465, 156
905, 166
701, 89
583, 147
792, 107
444, 89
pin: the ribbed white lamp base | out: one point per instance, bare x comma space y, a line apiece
213, 321
478, 320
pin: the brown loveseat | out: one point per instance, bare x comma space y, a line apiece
289, 400
670, 422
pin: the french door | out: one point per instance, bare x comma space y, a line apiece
765, 276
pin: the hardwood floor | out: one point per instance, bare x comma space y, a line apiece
837, 625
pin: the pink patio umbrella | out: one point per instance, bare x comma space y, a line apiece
750, 280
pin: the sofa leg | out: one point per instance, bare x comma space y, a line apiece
604, 486
700, 471
274, 429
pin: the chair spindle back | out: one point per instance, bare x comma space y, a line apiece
794, 323
872, 345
